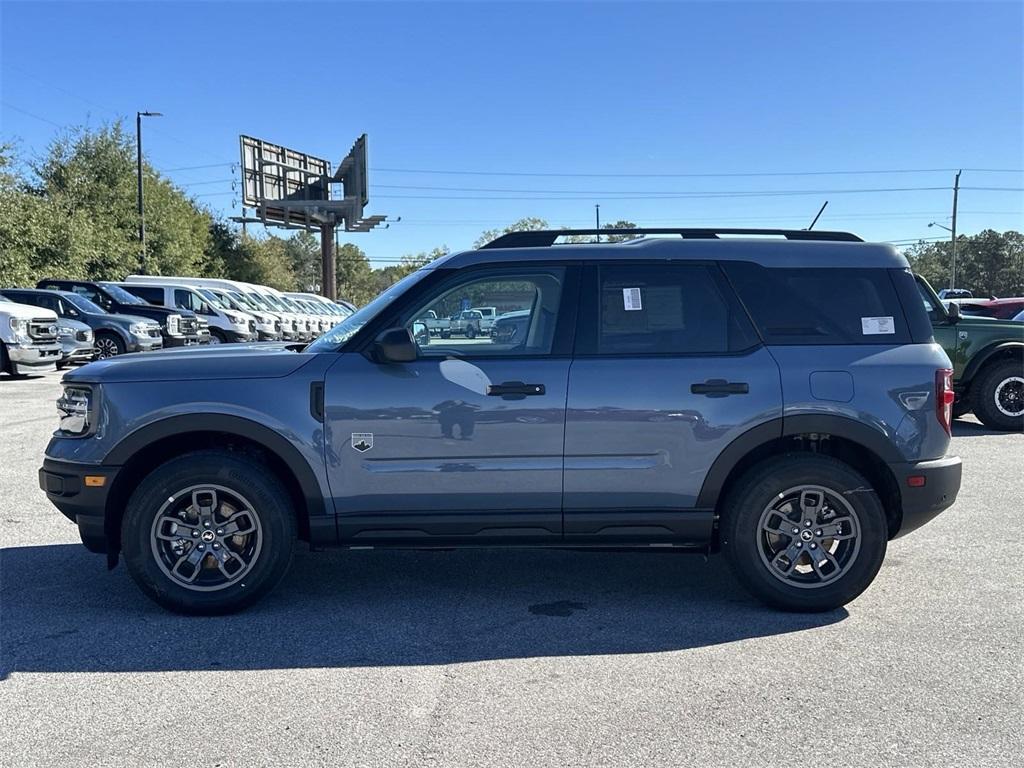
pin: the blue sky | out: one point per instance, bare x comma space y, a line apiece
567, 91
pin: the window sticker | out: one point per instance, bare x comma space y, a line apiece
631, 299
873, 326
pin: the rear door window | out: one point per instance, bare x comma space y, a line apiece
664, 309
827, 305
146, 293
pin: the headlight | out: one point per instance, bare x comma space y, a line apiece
237, 319
63, 332
73, 409
139, 329
174, 325
20, 328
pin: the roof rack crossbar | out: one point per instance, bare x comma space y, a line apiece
546, 237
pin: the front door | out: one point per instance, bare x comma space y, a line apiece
464, 443
668, 372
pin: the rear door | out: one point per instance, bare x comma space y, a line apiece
667, 372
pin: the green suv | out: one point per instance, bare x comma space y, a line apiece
988, 362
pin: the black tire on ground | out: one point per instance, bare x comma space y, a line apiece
61, 365
3, 358
446, 334
109, 345
217, 336
253, 482
743, 541
998, 395
471, 332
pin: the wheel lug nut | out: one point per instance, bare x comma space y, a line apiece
799, 544
201, 547
796, 530
818, 532
220, 531
216, 546
814, 546
207, 525
807, 523
195, 533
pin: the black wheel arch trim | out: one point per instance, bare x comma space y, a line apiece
987, 353
864, 435
264, 436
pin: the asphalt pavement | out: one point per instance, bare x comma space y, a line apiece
488, 658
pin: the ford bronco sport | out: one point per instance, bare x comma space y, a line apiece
778, 397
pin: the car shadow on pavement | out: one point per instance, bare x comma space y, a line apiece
965, 428
61, 611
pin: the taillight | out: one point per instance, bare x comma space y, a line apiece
944, 398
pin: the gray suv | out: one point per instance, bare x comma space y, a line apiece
777, 398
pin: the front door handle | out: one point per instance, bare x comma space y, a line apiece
514, 390
720, 388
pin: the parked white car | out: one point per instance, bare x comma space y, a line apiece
28, 338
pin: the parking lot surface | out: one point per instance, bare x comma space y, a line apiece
540, 658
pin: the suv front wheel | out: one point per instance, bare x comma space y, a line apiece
804, 532
208, 533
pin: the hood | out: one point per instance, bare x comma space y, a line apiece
153, 312
26, 311
117, 317
230, 362
990, 322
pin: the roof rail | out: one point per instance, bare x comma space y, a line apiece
545, 237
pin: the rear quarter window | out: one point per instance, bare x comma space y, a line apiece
821, 305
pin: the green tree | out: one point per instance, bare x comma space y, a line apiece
355, 276
988, 263
529, 224
303, 250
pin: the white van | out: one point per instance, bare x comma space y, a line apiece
226, 324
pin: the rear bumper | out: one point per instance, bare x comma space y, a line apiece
938, 492
85, 505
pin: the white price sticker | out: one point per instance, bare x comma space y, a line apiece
631, 299
873, 326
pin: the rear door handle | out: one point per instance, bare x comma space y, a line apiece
720, 388
514, 390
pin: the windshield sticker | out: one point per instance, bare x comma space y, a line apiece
631, 299
872, 326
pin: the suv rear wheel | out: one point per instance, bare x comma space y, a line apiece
804, 532
999, 396
208, 533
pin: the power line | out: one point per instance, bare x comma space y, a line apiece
30, 114
196, 167
692, 175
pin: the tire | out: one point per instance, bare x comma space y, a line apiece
3, 358
61, 365
961, 408
216, 337
762, 497
446, 334
109, 345
998, 395
471, 332
248, 495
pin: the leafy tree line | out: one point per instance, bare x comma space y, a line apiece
988, 263
73, 213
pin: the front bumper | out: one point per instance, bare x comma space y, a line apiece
238, 337
33, 357
268, 335
81, 354
183, 341
144, 343
86, 505
938, 492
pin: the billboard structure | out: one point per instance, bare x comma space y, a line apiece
296, 190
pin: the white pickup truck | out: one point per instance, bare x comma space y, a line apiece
28, 338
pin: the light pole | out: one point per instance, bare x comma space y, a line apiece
940, 226
142, 219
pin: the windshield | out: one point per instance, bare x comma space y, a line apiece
212, 298
83, 304
348, 327
258, 300
240, 300
122, 296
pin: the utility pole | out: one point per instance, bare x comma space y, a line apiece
328, 272
597, 219
956, 191
142, 219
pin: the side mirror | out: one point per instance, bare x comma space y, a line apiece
395, 345
953, 310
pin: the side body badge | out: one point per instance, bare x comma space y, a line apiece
362, 441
